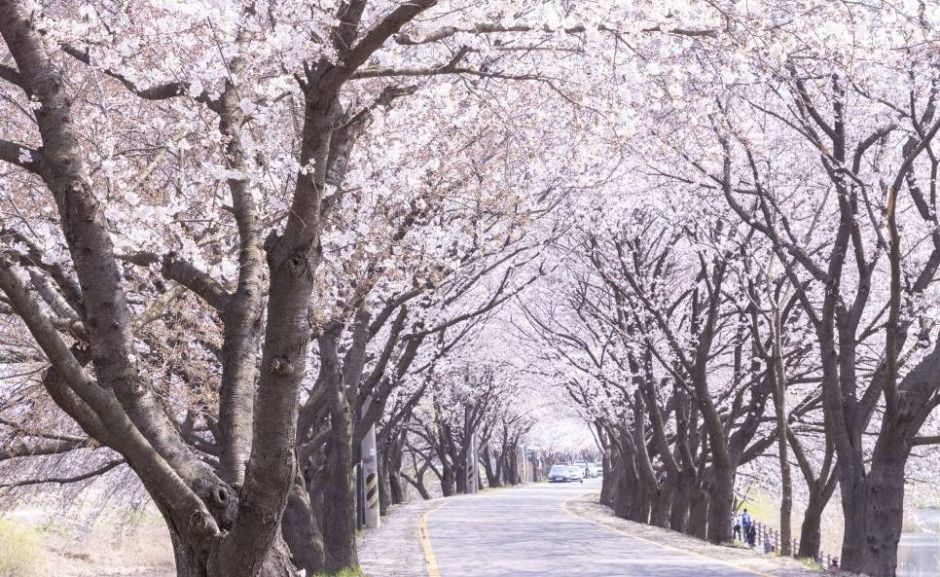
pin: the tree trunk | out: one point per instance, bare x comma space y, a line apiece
885, 503
396, 489
642, 501
780, 406
608, 481
698, 513
623, 492
491, 479
853, 492
662, 505
682, 500
810, 531
448, 481
513, 451
385, 485
339, 500
301, 531
422, 488
720, 505
190, 563
460, 473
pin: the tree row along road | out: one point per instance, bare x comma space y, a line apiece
529, 532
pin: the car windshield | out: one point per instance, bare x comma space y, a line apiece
558, 469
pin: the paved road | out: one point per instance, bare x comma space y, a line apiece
525, 532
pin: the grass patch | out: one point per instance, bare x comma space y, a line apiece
356, 572
761, 505
20, 551
810, 564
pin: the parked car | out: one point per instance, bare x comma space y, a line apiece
595, 470
583, 466
565, 474
577, 473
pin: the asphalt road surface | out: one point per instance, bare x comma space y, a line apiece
526, 532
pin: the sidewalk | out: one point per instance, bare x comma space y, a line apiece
394, 549
587, 507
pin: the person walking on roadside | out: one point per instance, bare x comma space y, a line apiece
747, 524
736, 527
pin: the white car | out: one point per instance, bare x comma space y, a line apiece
565, 474
577, 473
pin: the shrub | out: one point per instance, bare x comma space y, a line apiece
20, 553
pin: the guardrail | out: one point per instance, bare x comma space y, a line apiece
766, 538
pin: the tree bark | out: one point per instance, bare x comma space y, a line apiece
720, 504
679, 514
301, 530
884, 503
698, 513
339, 496
811, 529
492, 480
780, 405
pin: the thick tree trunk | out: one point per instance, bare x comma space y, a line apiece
392, 492
301, 531
460, 473
491, 478
698, 513
339, 501
385, 486
448, 481
661, 512
682, 500
884, 513
639, 496
853, 492
640, 512
720, 505
190, 563
608, 481
396, 489
811, 529
622, 492
513, 476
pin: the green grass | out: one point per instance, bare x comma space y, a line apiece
20, 552
762, 506
356, 572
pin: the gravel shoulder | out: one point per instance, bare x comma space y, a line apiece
587, 507
394, 549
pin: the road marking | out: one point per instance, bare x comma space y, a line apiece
564, 506
430, 560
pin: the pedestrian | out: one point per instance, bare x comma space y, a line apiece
736, 526
746, 524
751, 535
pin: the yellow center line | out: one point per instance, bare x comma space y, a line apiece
430, 559
564, 506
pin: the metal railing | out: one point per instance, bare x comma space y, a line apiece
767, 539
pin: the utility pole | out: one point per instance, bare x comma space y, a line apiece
473, 465
370, 476
524, 460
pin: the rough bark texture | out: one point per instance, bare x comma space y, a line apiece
301, 532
